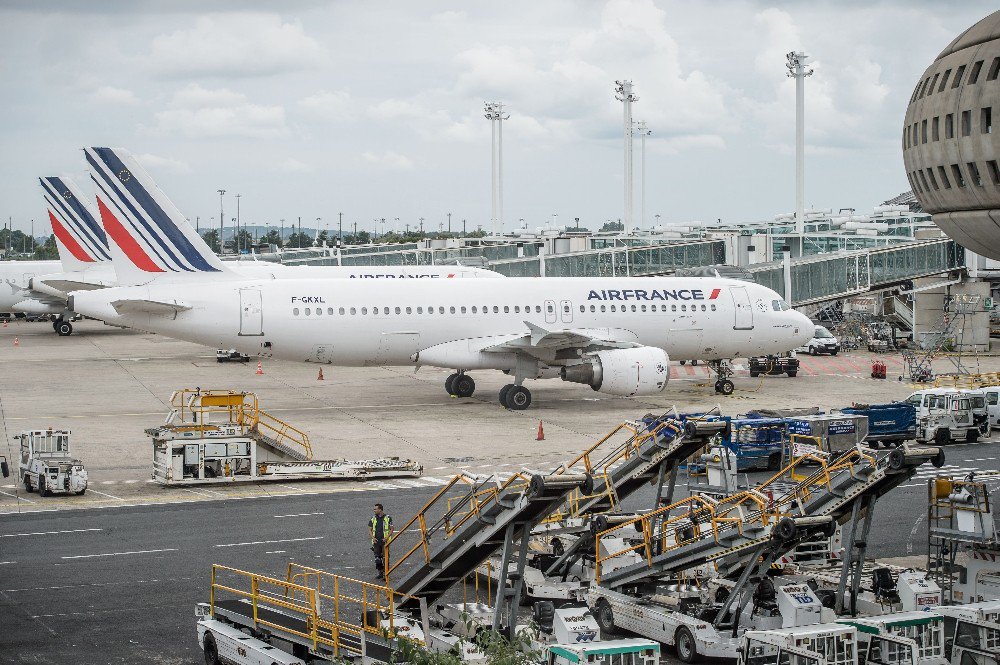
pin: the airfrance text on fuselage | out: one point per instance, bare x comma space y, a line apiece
654, 294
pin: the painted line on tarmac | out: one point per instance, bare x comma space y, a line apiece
270, 542
14, 496
6, 563
110, 496
46, 533
299, 515
92, 556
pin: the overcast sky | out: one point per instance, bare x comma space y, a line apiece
374, 109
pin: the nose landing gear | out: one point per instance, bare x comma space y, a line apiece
723, 370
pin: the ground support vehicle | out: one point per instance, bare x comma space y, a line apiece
973, 633
924, 629
822, 644
605, 652
46, 464
773, 365
888, 424
688, 626
954, 421
231, 355
217, 436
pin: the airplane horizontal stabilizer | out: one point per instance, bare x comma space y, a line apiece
67, 285
153, 307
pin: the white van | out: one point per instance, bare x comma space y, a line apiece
822, 341
992, 395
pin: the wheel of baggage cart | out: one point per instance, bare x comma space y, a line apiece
786, 529
897, 458
791, 373
43, 488
687, 650
972, 436
605, 617
27, 483
211, 650
938, 460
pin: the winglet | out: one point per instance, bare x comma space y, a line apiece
80, 239
151, 238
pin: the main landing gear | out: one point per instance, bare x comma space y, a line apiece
723, 370
62, 327
460, 384
515, 397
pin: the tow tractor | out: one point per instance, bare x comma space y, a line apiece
46, 464
774, 365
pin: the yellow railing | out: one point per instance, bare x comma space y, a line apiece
967, 381
205, 409
325, 601
663, 532
454, 513
599, 464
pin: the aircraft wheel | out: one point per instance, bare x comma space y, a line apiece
518, 398
726, 387
503, 394
449, 383
683, 362
64, 328
463, 386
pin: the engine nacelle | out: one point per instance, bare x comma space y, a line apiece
625, 372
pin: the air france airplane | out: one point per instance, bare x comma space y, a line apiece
614, 334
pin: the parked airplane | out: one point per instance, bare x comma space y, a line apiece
615, 335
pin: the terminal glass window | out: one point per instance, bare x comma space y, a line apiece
994, 171
936, 128
994, 70
944, 177
930, 174
923, 131
966, 123
958, 77
986, 120
949, 126
956, 171
974, 174
944, 80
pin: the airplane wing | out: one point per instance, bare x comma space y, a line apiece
543, 342
153, 307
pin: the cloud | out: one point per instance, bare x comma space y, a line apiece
107, 94
328, 105
388, 160
235, 44
195, 96
243, 120
164, 163
292, 165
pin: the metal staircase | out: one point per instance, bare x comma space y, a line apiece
734, 531
217, 410
468, 520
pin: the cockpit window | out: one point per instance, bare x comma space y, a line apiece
780, 306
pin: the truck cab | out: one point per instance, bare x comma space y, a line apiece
945, 415
46, 464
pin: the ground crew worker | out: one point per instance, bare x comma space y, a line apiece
380, 530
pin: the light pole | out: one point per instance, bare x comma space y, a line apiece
657, 215
449, 223
281, 236
318, 220
796, 66
494, 112
624, 94
340, 227
554, 215
643, 133
222, 222
395, 224
421, 226
239, 240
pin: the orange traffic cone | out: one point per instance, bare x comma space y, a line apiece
320, 377
17, 342
260, 367
541, 432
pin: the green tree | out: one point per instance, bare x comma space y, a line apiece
244, 240
211, 238
297, 239
47, 251
272, 237
613, 226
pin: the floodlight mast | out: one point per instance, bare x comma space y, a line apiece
495, 113
796, 65
644, 131
623, 93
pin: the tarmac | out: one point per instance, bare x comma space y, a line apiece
113, 576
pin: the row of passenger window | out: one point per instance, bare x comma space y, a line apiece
926, 87
916, 134
924, 180
550, 309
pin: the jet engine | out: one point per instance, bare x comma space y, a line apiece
625, 372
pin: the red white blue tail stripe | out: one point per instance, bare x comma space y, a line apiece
149, 229
73, 224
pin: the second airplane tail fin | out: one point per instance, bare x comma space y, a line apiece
151, 238
80, 239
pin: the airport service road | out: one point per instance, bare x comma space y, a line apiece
116, 585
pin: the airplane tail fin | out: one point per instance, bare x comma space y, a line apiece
151, 238
80, 239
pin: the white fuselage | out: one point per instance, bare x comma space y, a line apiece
378, 322
16, 282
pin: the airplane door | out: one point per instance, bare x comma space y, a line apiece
550, 311
566, 311
743, 311
251, 313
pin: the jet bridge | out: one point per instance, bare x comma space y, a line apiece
737, 530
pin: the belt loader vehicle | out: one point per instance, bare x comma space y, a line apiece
46, 464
